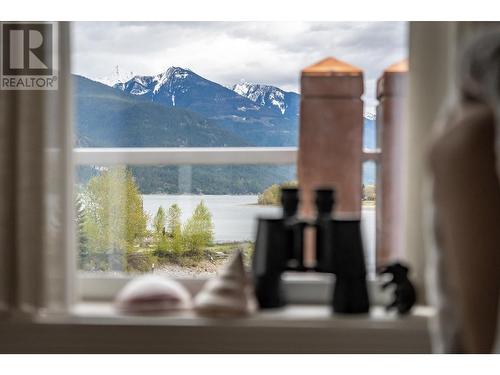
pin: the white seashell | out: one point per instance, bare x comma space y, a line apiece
227, 294
152, 294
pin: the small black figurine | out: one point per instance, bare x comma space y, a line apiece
405, 294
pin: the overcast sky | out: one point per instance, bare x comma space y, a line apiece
228, 52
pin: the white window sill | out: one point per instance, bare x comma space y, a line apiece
97, 328
103, 313
300, 288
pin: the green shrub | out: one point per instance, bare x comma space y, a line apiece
272, 195
140, 261
185, 242
174, 229
198, 232
159, 223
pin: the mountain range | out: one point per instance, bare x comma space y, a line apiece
179, 108
260, 123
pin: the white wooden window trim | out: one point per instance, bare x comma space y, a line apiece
301, 289
186, 156
194, 155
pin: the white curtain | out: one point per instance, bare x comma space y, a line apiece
36, 203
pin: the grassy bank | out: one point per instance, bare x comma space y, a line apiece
188, 264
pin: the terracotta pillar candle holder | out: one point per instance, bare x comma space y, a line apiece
331, 135
391, 91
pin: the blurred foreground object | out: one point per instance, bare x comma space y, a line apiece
466, 194
331, 133
151, 294
226, 295
279, 247
330, 138
391, 95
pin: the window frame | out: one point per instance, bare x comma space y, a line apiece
300, 288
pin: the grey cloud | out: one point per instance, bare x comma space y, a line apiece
226, 52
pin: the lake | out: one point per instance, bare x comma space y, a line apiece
234, 215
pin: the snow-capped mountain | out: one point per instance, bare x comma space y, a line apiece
116, 76
182, 87
262, 115
166, 82
270, 97
179, 87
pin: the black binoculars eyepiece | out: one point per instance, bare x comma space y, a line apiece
325, 200
289, 201
279, 247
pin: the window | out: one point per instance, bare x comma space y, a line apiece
181, 142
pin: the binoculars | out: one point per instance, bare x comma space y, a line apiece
279, 247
